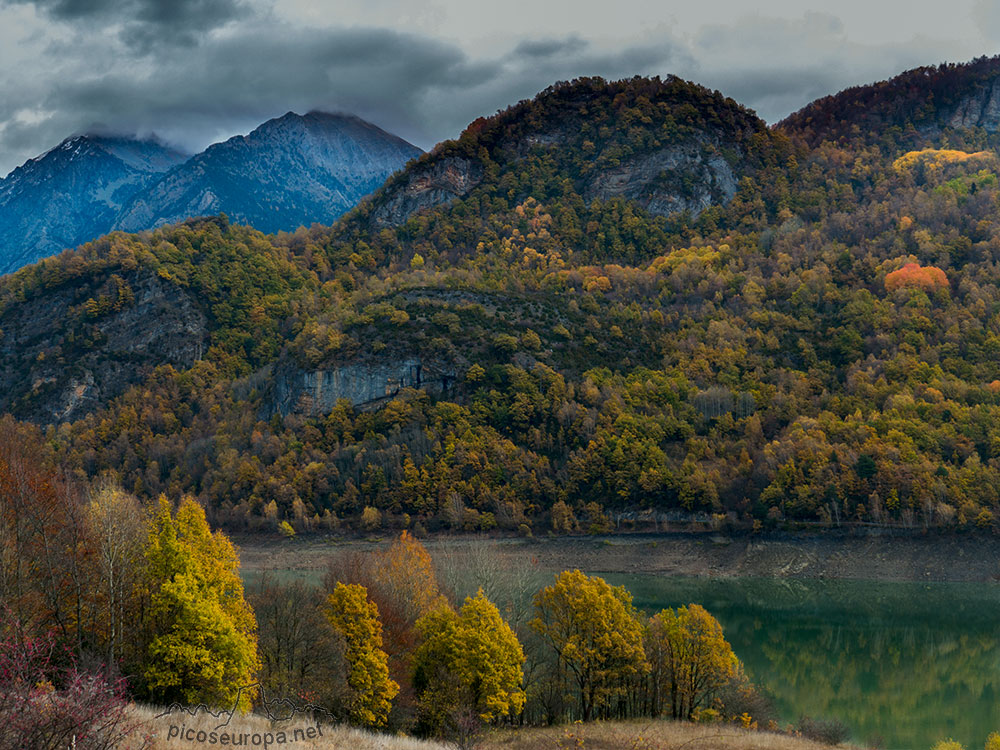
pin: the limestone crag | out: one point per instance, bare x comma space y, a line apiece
51, 375
678, 178
316, 392
440, 183
981, 109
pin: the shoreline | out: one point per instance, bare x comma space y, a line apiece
861, 556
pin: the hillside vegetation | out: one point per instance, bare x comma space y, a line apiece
812, 338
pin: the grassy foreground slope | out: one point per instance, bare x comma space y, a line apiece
634, 735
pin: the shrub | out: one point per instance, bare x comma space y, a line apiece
741, 696
45, 706
371, 518
827, 731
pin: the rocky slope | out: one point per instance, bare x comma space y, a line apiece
73, 193
291, 171
66, 353
683, 150
818, 348
669, 180
293, 390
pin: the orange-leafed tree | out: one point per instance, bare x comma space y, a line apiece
402, 582
47, 564
928, 278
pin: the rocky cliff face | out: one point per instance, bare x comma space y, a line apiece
980, 109
291, 171
668, 181
426, 187
73, 193
664, 182
50, 372
316, 392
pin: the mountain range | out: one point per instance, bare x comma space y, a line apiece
74, 193
291, 171
619, 296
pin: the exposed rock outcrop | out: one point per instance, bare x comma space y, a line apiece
49, 374
316, 392
981, 109
437, 184
668, 181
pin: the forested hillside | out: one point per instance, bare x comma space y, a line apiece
618, 297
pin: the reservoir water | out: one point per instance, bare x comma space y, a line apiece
902, 664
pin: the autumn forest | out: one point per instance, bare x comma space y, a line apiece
617, 306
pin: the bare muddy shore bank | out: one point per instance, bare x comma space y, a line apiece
875, 557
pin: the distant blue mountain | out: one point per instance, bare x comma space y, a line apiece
74, 193
291, 171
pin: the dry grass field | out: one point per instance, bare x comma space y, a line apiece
180, 731
646, 735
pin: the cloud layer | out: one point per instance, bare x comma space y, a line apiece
196, 71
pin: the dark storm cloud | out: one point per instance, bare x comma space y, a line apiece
166, 13
423, 89
144, 24
542, 48
264, 70
420, 87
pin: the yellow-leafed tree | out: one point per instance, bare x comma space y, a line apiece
596, 634
467, 669
204, 646
690, 660
357, 621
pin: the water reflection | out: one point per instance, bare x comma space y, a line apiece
909, 663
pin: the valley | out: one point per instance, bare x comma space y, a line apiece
624, 332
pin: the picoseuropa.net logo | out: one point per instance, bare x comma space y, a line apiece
185, 727
224, 738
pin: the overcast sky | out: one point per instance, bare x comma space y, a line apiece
199, 71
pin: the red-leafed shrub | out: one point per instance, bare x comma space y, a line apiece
45, 706
928, 278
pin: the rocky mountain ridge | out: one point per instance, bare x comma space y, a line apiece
920, 103
688, 161
291, 171
618, 296
73, 193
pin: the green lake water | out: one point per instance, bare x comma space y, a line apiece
909, 663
